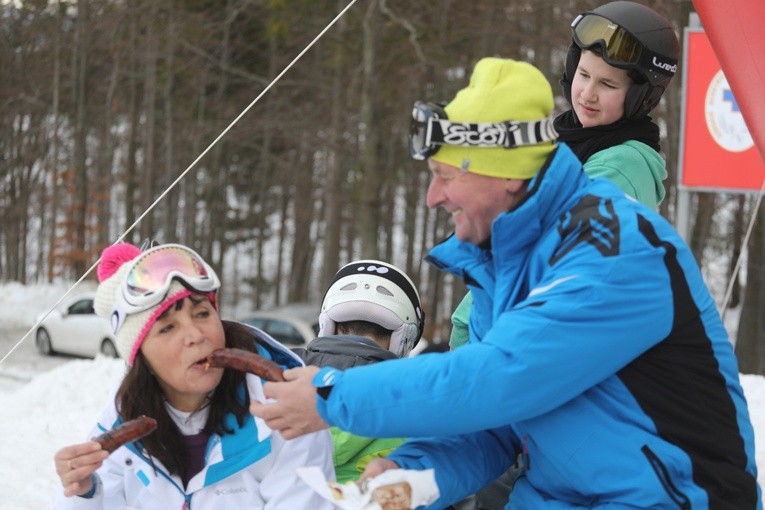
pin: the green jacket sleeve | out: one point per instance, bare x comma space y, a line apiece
460, 318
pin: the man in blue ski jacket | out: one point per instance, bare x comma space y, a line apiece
597, 360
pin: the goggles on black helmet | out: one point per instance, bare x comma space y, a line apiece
151, 274
620, 48
430, 128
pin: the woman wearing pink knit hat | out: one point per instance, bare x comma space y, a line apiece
207, 450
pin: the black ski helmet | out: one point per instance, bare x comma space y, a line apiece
655, 61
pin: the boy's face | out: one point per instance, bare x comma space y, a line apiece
598, 91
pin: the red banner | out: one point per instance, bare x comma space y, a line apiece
718, 149
738, 39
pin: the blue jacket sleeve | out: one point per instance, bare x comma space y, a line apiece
580, 324
483, 456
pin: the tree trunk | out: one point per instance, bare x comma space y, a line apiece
105, 176
705, 210
370, 182
334, 195
171, 171
54, 170
216, 245
79, 206
737, 237
148, 170
302, 247
283, 234
190, 188
673, 101
750, 342
260, 206
134, 114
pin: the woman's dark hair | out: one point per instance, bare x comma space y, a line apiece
140, 394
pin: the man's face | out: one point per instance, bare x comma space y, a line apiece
473, 200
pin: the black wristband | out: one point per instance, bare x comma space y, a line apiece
324, 391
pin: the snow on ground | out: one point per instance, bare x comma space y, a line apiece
55, 409
59, 407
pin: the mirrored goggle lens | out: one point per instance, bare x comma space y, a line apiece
151, 272
420, 145
619, 46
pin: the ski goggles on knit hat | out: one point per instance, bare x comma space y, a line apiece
150, 276
619, 47
430, 128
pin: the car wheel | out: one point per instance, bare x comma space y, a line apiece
108, 349
43, 342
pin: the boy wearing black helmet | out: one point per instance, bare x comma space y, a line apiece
622, 57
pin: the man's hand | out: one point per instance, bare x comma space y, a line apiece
294, 412
376, 467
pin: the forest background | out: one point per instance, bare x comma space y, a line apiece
105, 103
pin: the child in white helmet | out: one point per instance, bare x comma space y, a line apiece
371, 312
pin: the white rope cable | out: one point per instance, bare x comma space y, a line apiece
744, 243
188, 169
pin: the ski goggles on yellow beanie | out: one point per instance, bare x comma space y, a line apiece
499, 125
431, 128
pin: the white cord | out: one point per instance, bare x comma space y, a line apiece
188, 169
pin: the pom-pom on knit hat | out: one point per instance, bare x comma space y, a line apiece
112, 273
500, 90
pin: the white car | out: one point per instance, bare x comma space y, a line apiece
74, 328
294, 326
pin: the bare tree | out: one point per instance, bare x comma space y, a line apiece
318, 173
750, 344
77, 248
369, 200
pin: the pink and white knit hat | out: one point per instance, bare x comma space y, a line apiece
112, 273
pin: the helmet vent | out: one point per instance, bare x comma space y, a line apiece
376, 292
382, 290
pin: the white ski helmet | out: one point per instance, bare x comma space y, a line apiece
376, 292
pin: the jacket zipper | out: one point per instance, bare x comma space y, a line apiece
662, 474
525, 460
148, 460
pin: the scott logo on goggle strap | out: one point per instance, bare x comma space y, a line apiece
665, 65
466, 134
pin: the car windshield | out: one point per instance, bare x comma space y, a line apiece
83, 306
285, 333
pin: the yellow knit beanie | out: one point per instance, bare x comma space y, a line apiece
500, 90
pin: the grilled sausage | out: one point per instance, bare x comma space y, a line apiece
246, 361
127, 432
